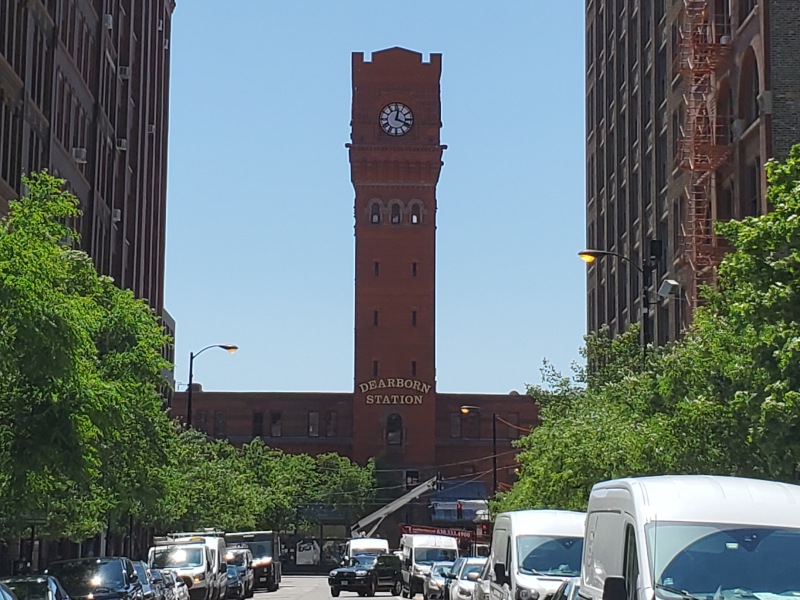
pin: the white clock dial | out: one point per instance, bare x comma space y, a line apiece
396, 119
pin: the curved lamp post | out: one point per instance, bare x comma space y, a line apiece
467, 409
590, 255
192, 355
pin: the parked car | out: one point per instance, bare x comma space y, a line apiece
169, 578
105, 578
242, 558
181, 588
436, 580
461, 580
149, 591
568, 590
367, 574
157, 581
235, 584
482, 589
6, 593
36, 587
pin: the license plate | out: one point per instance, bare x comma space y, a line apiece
345, 582
262, 578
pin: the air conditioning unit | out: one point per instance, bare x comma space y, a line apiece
166, 44
116, 215
108, 21
725, 40
122, 144
151, 128
765, 103
738, 128
161, 24
124, 73
79, 154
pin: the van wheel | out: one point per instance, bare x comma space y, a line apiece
404, 592
334, 592
397, 588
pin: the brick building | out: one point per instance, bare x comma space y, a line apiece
685, 102
84, 93
395, 413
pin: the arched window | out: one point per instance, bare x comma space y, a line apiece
375, 213
724, 117
748, 88
416, 214
395, 213
394, 430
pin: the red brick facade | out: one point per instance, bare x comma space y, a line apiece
394, 413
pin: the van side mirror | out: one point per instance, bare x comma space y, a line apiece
500, 574
614, 588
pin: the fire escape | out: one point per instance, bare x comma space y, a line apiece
704, 141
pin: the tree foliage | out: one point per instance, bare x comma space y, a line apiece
725, 399
84, 435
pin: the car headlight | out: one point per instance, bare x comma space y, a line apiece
361, 573
463, 592
332, 574
525, 594
436, 586
199, 577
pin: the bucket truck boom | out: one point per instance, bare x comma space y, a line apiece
359, 529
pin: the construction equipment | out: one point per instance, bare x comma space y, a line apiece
359, 529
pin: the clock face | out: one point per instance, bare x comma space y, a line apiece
396, 119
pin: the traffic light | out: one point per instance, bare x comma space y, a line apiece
484, 530
459, 511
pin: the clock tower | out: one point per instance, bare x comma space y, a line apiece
395, 160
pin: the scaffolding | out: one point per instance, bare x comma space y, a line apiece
704, 140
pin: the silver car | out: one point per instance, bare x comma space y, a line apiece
436, 581
461, 583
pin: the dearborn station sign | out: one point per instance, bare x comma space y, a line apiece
394, 384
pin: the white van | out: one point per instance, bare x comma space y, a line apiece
533, 552
357, 546
190, 560
215, 542
682, 537
420, 551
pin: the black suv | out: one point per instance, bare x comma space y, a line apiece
367, 574
106, 578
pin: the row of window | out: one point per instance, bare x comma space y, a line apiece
396, 213
326, 424
376, 367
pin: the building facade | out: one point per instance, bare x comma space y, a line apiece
685, 102
394, 414
84, 93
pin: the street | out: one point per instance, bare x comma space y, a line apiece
307, 587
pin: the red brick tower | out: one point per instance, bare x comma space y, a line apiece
395, 160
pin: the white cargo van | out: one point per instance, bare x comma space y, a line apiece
419, 552
533, 552
189, 559
357, 546
215, 542
685, 537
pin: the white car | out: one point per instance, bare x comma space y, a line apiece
482, 589
461, 583
181, 589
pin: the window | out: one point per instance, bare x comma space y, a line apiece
376, 267
394, 430
455, 425
375, 213
752, 189
413, 318
413, 269
395, 213
631, 566
413, 368
374, 368
258, 424
219, 424
332, 429
416, 214
275, 424
313, 423
375, 317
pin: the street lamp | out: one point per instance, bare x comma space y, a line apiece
465, 410
192, 355
590, 255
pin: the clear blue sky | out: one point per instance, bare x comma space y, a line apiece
260, 247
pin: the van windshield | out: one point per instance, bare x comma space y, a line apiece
428, 556
548, 555
176, 557
724, 561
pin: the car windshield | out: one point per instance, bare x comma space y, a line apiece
28, 590
470, 568
363, 560
440, 570
549, 555
172, 557
81, 577
233, 571
238, 558
141, 571
428, 556
724, 561
262, 549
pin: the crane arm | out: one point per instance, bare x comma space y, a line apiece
377, 517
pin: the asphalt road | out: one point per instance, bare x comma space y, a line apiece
308, 587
